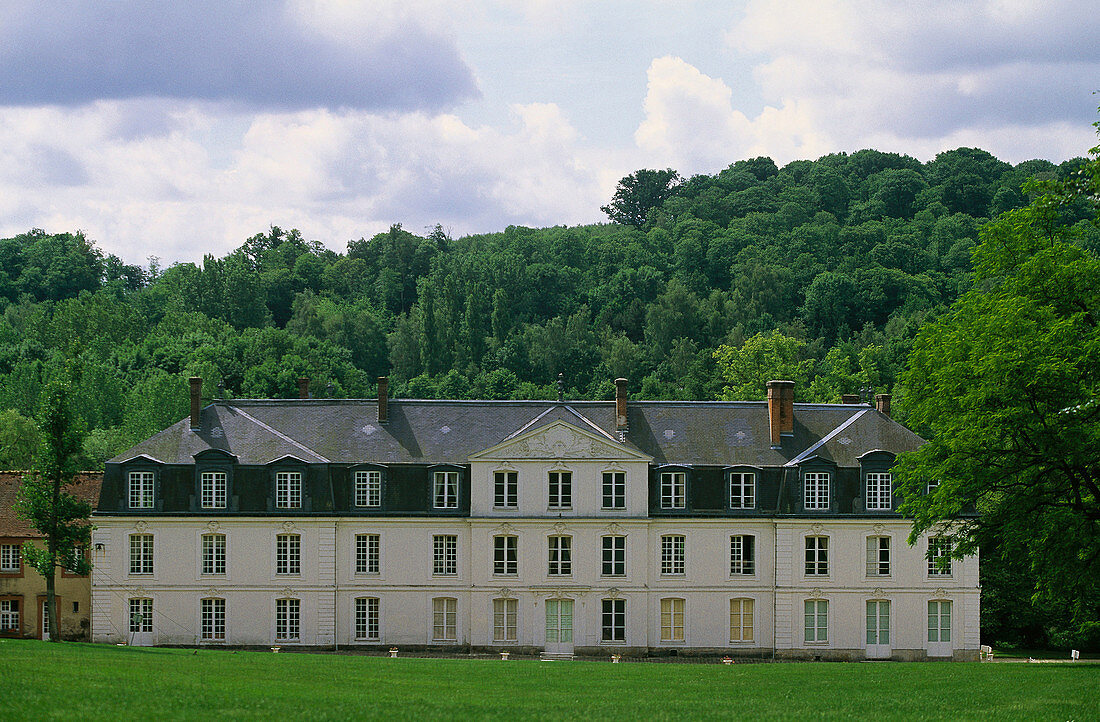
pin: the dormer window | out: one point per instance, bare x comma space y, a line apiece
673, 490
816, 490
742, 490
368, 488
212, 489
141, 489
445, 490
288, 490
879, 491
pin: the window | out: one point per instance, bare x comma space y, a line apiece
614, 556
878, 622
212, 613
559, 620
614, 490
444, 619
368, 488
614, 620
939, 556
287, 619
445, 554
561, 555
879, 491
141, 490
817, 620
504, 620
505, 489
366, 618
878, 556
213, 553
672, 554
11, 558
141, 615
141, 553
73, 559
288, 490
288, 554
367, 553
742, 490
9, 615
212, 488
505, 555
742, 554
560, 490
939, 621
741, 624
817, 555
673, 490
672, 620
445, 489
817, 490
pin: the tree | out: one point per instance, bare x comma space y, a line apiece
764, 357
43, 501
640, 192
1006, 385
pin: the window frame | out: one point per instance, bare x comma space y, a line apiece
215, 494
613, 621
11, 618
214, 563
288, 620
291, 498
445, 619
939, 547
746, 498
212, 617
740, 615
11, 558
817, 490
368, 553
505, 555
367, 619
505, 620
288, 554
673, 555
875, 497
559, 489
144, 605
613, 483
742, 555
445, 555
817, 555
613, 555
672, 489
939, 616
446, 484
877, 635
145, 493
820, 612
506, 489
671, 631
142, 562
367, 488
879, 563
559, 560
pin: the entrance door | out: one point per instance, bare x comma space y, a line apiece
559, 626
141, 622
878, 629
939, 628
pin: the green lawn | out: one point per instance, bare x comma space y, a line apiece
84, 681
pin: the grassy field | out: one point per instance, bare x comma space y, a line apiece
84, 681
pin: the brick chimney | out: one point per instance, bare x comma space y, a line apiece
383, 399
849, 398
196, 402
780, 410
620, 404
303, 388
882, 403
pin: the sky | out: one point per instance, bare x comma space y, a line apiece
175, 129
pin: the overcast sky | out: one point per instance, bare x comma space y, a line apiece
174, 129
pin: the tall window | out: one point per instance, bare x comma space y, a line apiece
445, 554
561, 556
504, 620
816, 485
614, 620
741, 624
141, 553
444, 619
505, 555
9, 615
939, 621
672, 620
672, 554
367, 553
505, 489
73, 559
288, 490
213, 553
879, 491
213, 489
288, 619
817, 555
141, 490
288, 554
878, 556
560, 490
445, 490
816, 620
878, 622
141, 615
614, 556
673, 490
742, 490
368, 488
742, 554
939, 556
212, 613
366, 618
614, 490
11, 559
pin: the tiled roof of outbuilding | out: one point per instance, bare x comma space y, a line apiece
85, 487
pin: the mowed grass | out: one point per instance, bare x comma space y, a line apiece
84, 681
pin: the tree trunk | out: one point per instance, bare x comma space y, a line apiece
51, 597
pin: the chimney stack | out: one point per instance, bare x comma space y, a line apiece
196, 402
882, 403
303, 387
849, 398
383, 399
620, 404
780, 410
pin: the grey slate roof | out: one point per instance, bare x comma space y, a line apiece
703, 433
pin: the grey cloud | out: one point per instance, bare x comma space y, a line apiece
248, 53
49, 166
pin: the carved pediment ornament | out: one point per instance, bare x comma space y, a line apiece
288, 526
559, 528
213, 592
506, 528
506, 593
941, 592
614, 528
613, 593
213, 526
879, 592
816, 528
815, 592
141, 526
139, 591
288, 591
879, 528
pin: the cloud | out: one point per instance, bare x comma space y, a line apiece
266, 55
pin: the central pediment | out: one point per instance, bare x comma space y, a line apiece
559, 440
